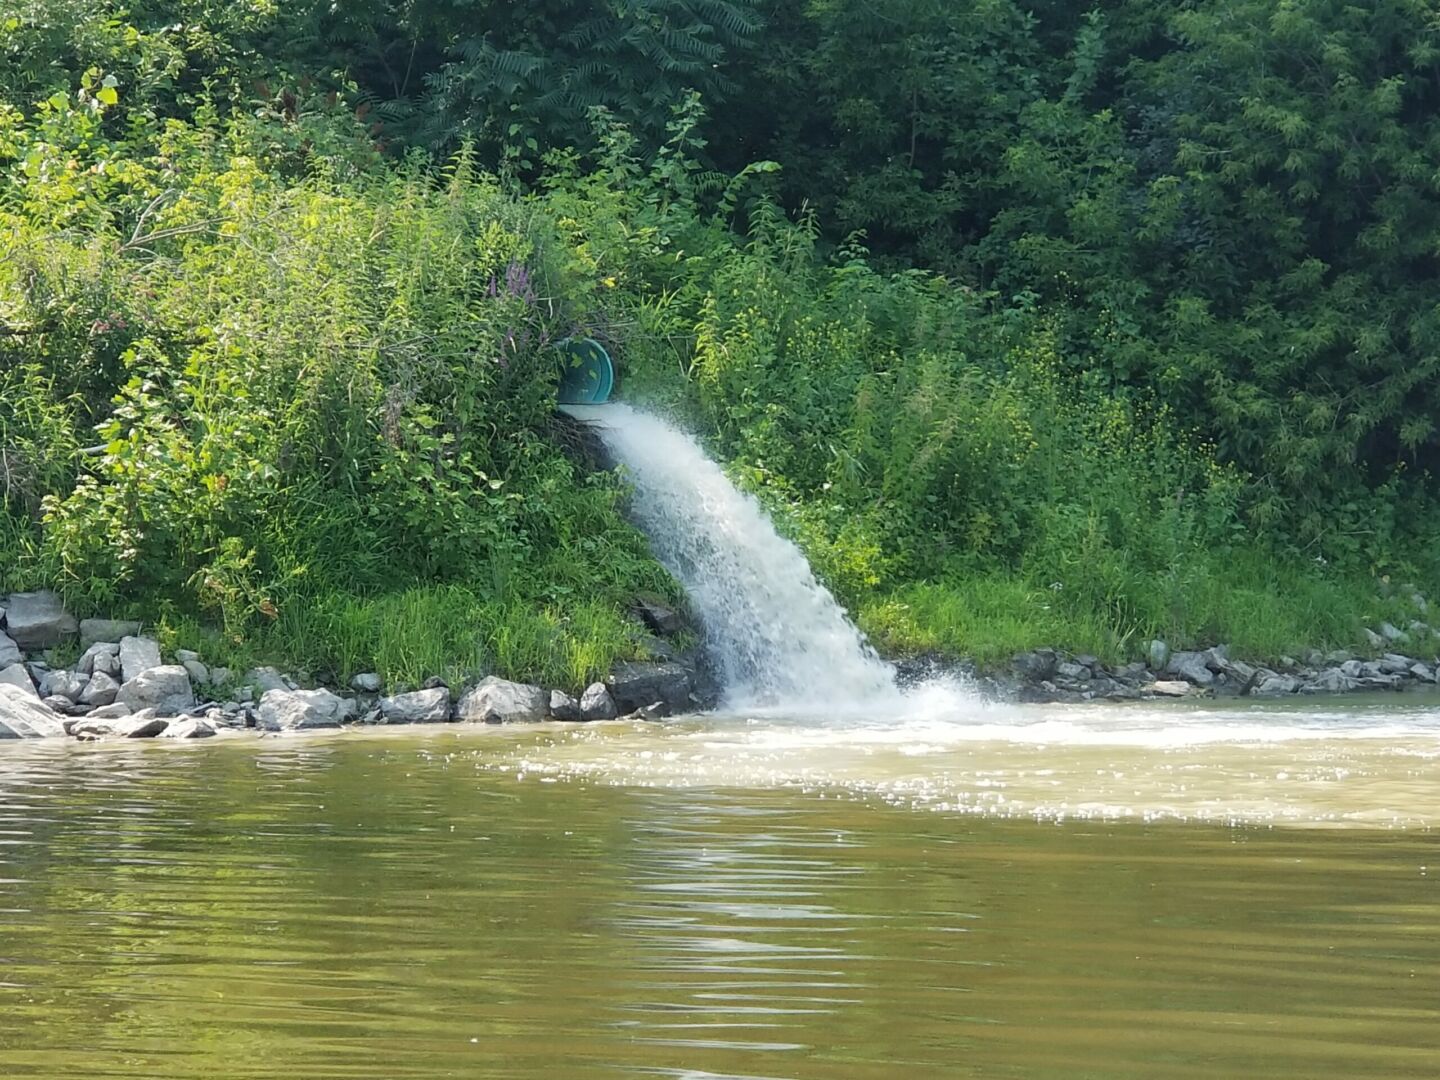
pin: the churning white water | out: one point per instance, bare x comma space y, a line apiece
776, 634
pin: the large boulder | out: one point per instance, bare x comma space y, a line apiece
106, 630
110, 664
597, 704
499, 701
18, 676
417, 707
1329, 682
23, 717
1037, 666
166, 689
100, 690
636, 685
1192, 667
296, 710
1270, 684
265, 679
563, 706
38, 620
66, 684
10, 653
138, 655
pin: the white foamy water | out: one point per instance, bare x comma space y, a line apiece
776, 634
1353, 763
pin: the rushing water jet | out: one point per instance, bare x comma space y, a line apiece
777, 636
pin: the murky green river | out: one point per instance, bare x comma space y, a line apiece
1024, 894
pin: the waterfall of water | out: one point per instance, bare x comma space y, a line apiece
776, 634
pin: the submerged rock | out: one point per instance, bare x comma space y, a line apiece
193, 728
499, 701
38, 620
22, 716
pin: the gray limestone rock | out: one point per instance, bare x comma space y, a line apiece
100, 690
66, 684
17, 676
597, 704
100, 630
563, 706
1159, 655
165, 688
296, 710
417, 707
367, 682
137, 655
264, 679
138, 726
38, 620
1388, 631
86, 664
498, 701
109, 712
1332, 681
1192, 667
1270, 684
195, 727
22, 716
197, 671
636, 685
9, 652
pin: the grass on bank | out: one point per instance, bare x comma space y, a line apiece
408, 636
1262, 608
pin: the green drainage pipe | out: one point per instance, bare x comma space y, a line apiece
586, 375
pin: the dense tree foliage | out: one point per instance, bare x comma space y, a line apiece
1108, 302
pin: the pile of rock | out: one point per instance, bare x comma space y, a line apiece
1053, 676
121, 686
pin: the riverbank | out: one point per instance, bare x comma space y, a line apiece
102, 678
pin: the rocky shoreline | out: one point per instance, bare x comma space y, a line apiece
122, 687
1054, 676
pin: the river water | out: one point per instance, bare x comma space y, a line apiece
1018, 893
